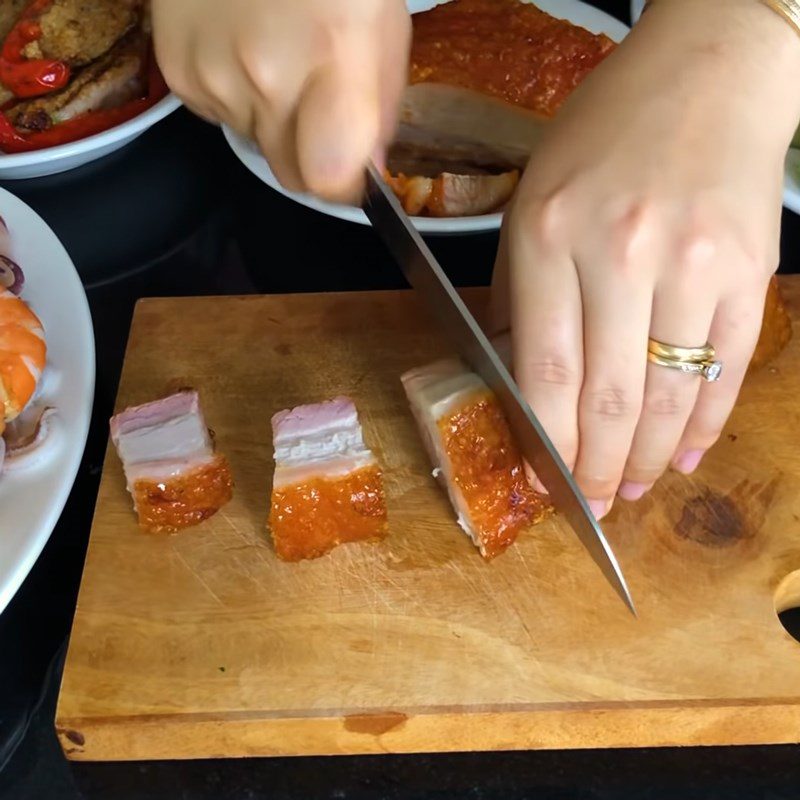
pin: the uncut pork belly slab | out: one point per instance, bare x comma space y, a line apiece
328, 487
173, 472
470, 446
486, 77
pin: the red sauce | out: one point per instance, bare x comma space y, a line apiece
488, 470
29, 77
184, 500
506, 49
309, 519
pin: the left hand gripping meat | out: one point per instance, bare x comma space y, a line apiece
173, 472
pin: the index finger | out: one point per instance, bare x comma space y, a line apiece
546, 326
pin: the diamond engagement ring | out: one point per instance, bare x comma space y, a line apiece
694, 360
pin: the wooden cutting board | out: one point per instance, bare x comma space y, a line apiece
201, 644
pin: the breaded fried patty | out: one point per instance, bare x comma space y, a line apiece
79, 31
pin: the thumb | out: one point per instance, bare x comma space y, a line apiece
338, 128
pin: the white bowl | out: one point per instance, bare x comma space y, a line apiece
63, 157
574, 10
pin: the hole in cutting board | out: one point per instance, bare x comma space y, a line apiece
787, 604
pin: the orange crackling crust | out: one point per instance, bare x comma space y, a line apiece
488, 470
506, 49
185, 500
309, 519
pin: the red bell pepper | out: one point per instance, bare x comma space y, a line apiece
29, 77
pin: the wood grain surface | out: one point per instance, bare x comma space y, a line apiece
202, 644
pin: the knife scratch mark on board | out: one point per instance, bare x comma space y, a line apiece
198, 577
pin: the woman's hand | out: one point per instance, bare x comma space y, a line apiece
652, 209
316, 83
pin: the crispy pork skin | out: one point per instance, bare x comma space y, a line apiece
506, 49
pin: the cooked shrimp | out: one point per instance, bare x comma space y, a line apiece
22, 355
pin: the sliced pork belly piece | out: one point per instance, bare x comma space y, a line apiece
328, 486
173, 473
469, 442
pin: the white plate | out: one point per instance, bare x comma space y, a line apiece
574, 10
33, 494
791, 179
52, 160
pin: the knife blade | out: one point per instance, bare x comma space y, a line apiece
426, 276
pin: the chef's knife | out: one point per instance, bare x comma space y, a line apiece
423, 272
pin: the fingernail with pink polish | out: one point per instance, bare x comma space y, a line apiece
599, 507
687, 462
632, 492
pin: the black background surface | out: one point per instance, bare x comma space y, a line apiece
175, 213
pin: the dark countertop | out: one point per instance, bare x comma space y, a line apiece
163, 218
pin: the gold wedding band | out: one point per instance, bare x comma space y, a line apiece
693, 360
673, 353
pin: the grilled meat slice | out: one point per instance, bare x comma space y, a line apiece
109, 82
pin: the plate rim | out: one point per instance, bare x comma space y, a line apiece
68, 468
88, 144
